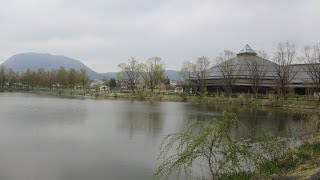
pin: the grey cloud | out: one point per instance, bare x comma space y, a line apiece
105, 33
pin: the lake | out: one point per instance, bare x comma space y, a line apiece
55, 138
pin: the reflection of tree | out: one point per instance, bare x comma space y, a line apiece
143, 119
282, 122
252, 119
63, 113
198, 112
148, 119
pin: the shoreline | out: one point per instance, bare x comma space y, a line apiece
301, 162
297, 102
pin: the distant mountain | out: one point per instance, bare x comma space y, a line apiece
173, 75
34, 61
22, 62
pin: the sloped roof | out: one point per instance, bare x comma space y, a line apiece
302, 74
240, 67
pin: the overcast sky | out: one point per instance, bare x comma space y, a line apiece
104, 33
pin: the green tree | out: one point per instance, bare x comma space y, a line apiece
166, 81
83, 78
112, 83
206, 141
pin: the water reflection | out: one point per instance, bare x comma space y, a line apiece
141, 118
51, 138
277, 121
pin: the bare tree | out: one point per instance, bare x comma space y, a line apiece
263, 54
187, 71
202, 66
62, 77
153, 72
227, 69
133, 71
51, 78
196, 74
72, 77
256, 71
12, 77
8, 78
284, 58
312, 68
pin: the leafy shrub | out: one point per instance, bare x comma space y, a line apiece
209, 141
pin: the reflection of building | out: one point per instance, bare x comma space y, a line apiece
242, 74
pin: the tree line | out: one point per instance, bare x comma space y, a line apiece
59, 78
148, 74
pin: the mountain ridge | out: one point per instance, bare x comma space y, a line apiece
34, 61
30, 60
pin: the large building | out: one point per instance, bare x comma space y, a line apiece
241, 70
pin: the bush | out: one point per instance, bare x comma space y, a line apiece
184, 97
292, 159
209, 141
141, 96
308, 151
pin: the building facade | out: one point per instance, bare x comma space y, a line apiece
248, 71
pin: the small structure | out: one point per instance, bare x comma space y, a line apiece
95, 85
178, 89
104, 88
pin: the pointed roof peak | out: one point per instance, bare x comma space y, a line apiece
247, 50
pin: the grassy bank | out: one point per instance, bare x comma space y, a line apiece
293, 101
299, 163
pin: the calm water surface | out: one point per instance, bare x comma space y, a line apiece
50, 138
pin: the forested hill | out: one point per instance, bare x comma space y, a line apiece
34, 61
22, 62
